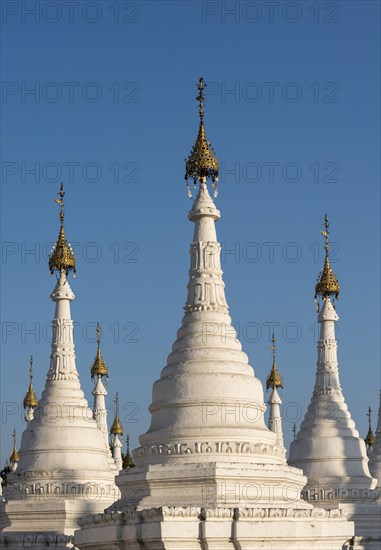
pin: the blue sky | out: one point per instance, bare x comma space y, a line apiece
114, 115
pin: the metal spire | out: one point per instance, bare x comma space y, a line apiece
14, 458
99, 367
370, 440
62, 256
30, 399
116, 428
274, 379
201, 163
327, 283
127, 459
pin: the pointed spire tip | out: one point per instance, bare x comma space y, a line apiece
99, 367
116, 428
327, 283
274, 379
62, 257
30, 399
201, 163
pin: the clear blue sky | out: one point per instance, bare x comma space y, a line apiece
114, 115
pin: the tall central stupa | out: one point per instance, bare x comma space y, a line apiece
209, 473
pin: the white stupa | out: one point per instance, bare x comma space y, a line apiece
64, 469
375, 456
116, 431
273, 382
209, 473
328, 447
99, 370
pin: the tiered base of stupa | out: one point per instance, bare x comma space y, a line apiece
217, 528
44, 515
216, 505
361, 506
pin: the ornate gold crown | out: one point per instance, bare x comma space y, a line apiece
99, 367
62, 256
15, 457
274, 379
370, 440
30, 399
201, 162
116, 428
327, 282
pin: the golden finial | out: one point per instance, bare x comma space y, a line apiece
116, 428
370, 440
15, 455
201, 163
327, 282
30, 399
127, 458
62, 256
274, 379
99, 367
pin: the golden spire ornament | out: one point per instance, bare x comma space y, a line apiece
99, 367
327, 283
62, 256
14, 458
127, 459
116, 428
274, 379
370, 440
201, 163
30, 399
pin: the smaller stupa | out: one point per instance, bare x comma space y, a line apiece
63, 468
116, 431
328, 447
98, 371
273, 382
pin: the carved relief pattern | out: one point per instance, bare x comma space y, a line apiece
235, 447
37, 539
335, 492
132, 516
52, 490
327, 352
206, 287
62, 358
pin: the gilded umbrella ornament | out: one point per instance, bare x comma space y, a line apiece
201, 163
62, 256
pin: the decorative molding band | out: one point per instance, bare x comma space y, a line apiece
133, 516
36, 539
53, 490
314, 494
220, 447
